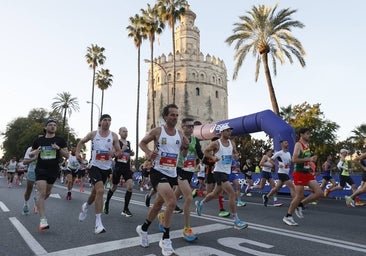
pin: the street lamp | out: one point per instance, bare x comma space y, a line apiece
166, 74
95, 104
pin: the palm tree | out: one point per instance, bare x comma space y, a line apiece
263, 32
170, 11
135, 32
94, 58
359, 137
63, 104
287, 114
151, 25
103, 80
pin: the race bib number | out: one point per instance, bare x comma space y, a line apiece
227, 160
168, 160
48, 153
102, 155
124, 157
189, 163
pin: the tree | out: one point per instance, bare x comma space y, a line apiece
323, 131
170, 11
63, 104
263, 32
359, 137
151, 25
21, 132
94, 58
135, 32
103, 80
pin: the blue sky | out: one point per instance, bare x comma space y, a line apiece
44, 43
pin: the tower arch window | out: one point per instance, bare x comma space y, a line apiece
198, 91
178, 76
217, 94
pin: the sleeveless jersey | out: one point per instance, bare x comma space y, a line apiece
346, 165
100, 151
12, 166
31, 165
124, 158
73, 163
266, 168
188, 163
303, 167
225, 154
168, 152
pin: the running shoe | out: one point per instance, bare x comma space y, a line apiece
265, 200
249, 194
239, 224
349, 201
326, 192
99, 229
161, 217
224, 213
240, 203
298, 212
277, 203
358, 202
166, 247
43, 224
143, 236
289, 221
188, 235
25, 210
68, 196
147, 200
194, 193
177, 209
84, 211
199, 207
106, 207
126, 213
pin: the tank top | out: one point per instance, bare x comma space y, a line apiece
168, 152
73, 163
305, 153
12, 166
225, 154
188, 163
100, 151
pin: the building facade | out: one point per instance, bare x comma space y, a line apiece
201, 81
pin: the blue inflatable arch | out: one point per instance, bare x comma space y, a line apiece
266, 121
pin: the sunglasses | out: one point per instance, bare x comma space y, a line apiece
189, 126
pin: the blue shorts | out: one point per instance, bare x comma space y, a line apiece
233, 176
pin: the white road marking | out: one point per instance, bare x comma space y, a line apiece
131, 242
28, 238
3, 207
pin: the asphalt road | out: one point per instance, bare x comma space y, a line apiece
329, 228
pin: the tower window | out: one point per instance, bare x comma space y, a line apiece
197, 91
217, 94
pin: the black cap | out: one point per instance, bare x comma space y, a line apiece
50, 121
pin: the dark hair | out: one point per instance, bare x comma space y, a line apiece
104, 116
166, 109
303, 130
197, 122
187, 119
215, 138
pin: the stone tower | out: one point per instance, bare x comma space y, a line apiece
201, 81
